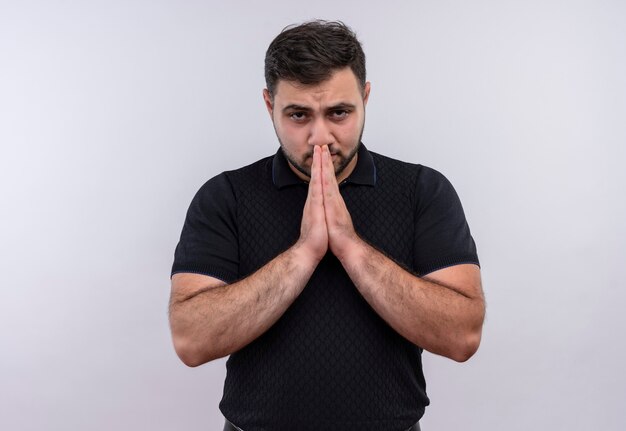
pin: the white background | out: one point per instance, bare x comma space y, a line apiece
113, 113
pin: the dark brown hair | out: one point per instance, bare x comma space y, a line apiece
309, 53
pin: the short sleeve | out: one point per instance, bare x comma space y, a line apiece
442, 235
208, 243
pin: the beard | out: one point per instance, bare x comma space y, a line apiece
343, 159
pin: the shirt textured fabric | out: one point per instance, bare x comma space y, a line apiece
330, 362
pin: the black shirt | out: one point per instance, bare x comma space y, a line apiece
330, 362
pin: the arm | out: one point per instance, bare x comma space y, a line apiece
210, 319
443, 313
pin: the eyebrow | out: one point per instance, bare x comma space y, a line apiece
336, 107
294, 107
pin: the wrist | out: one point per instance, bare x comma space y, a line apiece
304, 256
352, 251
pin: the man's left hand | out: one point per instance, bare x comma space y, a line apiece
341, 234
442, 313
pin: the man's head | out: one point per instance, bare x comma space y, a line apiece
316, 93
309, 53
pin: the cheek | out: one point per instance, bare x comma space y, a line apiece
292, 132
349, 131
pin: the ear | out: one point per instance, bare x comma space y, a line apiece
366, 92
269, 104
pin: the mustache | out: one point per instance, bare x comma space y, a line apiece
309, 154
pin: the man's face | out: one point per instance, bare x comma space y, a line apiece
330, 113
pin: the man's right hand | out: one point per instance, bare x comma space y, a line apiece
313, 231
210, 319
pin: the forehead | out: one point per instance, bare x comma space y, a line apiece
342, 86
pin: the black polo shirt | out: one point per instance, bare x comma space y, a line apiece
330, 362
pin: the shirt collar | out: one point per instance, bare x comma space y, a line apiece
364, 172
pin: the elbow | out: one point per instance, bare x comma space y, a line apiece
187, 353
189, 359
195, 347
466, 347
469, 339
191, 353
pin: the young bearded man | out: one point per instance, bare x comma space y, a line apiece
326, 269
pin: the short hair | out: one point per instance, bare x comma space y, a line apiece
310, 53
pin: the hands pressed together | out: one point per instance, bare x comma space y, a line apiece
326, 222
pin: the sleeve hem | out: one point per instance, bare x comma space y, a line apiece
446, 263
218, 273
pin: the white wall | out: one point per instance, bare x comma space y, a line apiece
113, 113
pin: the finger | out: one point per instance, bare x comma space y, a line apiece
314, 205
334, 205
328, 173
315, 196
313, 177
316, 170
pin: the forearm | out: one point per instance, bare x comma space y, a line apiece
209, 322
441, 319
213, 322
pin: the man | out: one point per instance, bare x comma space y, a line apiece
323, 271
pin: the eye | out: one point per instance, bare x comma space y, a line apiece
298, 116
339, 114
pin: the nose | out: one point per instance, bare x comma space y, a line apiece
320, 133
